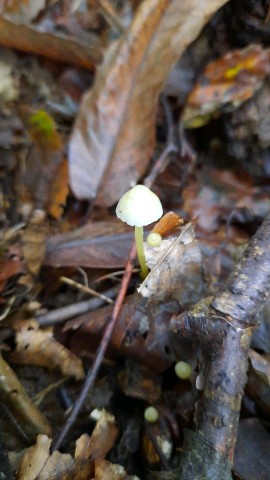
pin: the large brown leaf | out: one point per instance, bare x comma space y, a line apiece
96, 245
113, 137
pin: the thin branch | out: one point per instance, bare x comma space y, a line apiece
111, 16
61, 48
85, 289
62, 314
92, 374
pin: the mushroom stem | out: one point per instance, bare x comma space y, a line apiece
140, 251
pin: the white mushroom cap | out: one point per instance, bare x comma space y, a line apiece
139, 206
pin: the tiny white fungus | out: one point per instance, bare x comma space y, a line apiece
139, 207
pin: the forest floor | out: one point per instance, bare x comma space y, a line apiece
100, 377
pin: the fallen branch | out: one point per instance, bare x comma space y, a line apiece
223, 325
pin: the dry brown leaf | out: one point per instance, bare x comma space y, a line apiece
101, 441
59, 190
38, 347
56, 465
228, 82
176, 269
114, 135
105, 470
34, 241
37, 463
34, 459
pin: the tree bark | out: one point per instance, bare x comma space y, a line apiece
223, 325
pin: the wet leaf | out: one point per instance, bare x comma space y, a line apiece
228, 81
114, 135
38, 347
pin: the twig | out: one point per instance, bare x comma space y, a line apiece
60, 315
85, 289
61, 48
111, 16
92, 374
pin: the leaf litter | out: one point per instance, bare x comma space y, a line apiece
208, 189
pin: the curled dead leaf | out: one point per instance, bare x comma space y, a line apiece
38, 347
101, 440
37, 463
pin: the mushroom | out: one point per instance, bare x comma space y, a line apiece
139, 207
154, 239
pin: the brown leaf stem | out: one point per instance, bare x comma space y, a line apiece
56, 47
